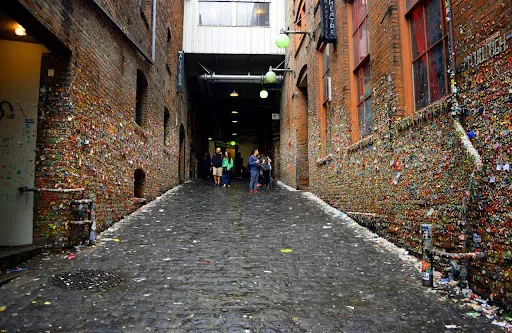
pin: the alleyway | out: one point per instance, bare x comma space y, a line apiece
205, 259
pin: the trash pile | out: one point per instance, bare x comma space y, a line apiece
475, 305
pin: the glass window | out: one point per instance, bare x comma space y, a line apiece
326, 72
364, 103
428, 39
219, 13
252, 14
360, 30
362, 67
215, 13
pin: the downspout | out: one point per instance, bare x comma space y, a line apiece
153, 30
470, 150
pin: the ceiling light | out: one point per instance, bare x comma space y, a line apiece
234, 134
20, 31
234, 112
210, 139
263, 93
234, 121
234, 94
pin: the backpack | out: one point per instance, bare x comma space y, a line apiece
266, 165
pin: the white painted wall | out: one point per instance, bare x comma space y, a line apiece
232, 40
20, 66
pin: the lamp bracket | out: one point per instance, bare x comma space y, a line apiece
291, 32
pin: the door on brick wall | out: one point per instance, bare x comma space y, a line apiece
182, 160
302, 136
20, 65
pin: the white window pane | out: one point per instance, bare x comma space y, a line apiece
203, 13
241, 14
214, 13
225, 14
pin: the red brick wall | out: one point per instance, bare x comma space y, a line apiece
88, 137
413, 169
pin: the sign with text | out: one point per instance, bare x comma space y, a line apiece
180, 75
275, 116
328, 21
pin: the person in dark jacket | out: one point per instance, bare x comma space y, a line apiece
217, 166
266, 167
254, 169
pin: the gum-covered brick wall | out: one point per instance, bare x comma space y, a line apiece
88, 137
414, 169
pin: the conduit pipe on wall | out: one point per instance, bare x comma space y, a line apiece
259, 79
153, 30
427, 244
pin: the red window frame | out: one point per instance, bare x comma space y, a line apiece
361, 71
426, 71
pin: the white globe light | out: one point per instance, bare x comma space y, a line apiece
282, 41
270, 77
263, 93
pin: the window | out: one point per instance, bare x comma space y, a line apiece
429, 50
325, 93
326, 74
252, 14
300, 23
215, 13
146, 11
141, 98
361, 70
364, 101
167, 116
168, 51
228, 13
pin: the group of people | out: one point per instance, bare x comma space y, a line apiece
222, 164
259, 164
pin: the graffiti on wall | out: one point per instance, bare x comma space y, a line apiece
491, 47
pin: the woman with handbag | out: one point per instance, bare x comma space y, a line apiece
227, 165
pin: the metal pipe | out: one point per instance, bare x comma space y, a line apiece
457, 256
153, 30
259, 79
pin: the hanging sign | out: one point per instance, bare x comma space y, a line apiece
180, 75
328, 21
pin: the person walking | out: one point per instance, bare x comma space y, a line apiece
266, 167
254, 169
227, 165
217, 166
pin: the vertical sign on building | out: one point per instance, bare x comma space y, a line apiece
180, 75
328, 21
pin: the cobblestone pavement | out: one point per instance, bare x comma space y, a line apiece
206, 259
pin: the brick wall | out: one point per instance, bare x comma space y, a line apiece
414, 169
87, 133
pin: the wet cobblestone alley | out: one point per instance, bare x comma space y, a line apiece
207, 259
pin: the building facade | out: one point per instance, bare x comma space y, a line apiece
406, 119
91, 107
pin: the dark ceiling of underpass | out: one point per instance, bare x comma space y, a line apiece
217, 114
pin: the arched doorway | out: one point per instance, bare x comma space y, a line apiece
182, 160
301, 123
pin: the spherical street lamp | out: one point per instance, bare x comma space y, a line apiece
282, 41
270, 77
263, 93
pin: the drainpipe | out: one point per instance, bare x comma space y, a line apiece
153, 30
468, 145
